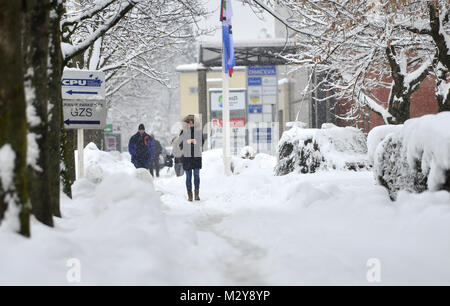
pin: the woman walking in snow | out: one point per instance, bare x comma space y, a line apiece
191, 143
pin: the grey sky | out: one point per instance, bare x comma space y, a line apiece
246, 24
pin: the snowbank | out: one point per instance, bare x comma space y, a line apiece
114, 227
260, 161
377, 135
309, 150
99, 164
317, 229
416, 157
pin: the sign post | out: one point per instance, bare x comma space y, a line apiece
80, 153
84, 105
226, 119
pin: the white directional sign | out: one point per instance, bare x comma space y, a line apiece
83, 84
82, 114
237, 100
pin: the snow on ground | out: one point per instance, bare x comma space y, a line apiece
248, 229
313, 229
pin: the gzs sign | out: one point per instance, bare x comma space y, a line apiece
81, 112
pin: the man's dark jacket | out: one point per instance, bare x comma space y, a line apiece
141, 148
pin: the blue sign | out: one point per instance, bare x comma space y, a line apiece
69, 122
262, 135
73, 92
83, 85
255, 109
262, 70
82, 82
254, 81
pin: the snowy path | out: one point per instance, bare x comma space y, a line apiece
249, 229
240, 268
304, 229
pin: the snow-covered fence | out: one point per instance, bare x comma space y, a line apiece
416, 157
332, 147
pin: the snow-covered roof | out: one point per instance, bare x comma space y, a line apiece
283, 81
189, 67
194, 67
231, 89
275, 42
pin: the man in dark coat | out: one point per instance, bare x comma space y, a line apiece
141, 147
191, 143
154, 165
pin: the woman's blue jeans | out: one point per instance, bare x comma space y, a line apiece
196, 179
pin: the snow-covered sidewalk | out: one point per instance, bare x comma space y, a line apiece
249, 229
312, 229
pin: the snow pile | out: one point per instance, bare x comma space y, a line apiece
376, 136
7, 160
260, 161
309, 150
318, 229
114, 227
417, 157
99, 164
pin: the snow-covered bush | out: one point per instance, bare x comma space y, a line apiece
309, 150
376, 136
247, 152
416, 157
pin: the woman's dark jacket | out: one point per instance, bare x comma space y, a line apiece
190, 161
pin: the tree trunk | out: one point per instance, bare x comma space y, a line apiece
399, 105
443, 98
55, 102
68, 158
13, 123
35, 47
68, 140
95, 136
401, 92
442, 56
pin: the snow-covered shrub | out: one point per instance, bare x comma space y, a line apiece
376, 136
247, 152
416, 157
309, 150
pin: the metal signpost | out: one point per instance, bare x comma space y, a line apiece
84, 105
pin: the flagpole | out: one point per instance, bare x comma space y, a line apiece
226, 115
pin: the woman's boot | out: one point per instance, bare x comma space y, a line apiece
197, 197
190, 196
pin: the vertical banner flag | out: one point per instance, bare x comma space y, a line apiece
226, 12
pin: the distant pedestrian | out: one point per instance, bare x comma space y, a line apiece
154, 165
141, 147
191, 146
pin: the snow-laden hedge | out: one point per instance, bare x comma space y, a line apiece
416, 157
376, 136
332, 147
